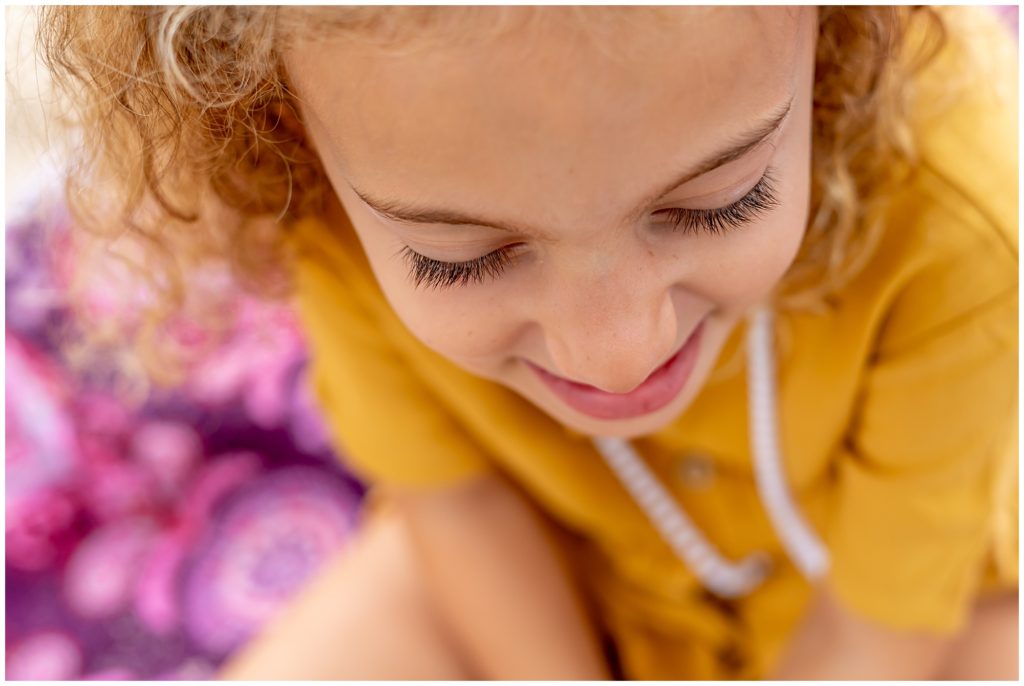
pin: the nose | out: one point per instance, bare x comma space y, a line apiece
611, 336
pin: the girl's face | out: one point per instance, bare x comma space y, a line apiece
584, 224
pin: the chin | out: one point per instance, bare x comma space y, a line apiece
623, 428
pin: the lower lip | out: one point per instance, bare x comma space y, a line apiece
660, 388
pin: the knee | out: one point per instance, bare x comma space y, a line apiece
366, 615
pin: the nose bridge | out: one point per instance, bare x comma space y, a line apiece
610, 328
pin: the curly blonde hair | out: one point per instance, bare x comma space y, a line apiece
191, 144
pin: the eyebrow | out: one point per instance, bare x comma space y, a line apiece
411, 214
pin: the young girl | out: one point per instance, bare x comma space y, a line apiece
674, 342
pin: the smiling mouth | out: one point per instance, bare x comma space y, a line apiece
658, 389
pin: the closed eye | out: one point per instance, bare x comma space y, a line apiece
430, 273
760, 199
425, 271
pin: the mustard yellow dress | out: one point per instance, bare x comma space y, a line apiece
897, 421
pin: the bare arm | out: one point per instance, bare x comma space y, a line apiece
500, 582
833, 644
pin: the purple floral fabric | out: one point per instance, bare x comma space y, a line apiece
151, 540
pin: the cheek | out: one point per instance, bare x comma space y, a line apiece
745, 267
751, 262
458, 328
457, 323
461, 324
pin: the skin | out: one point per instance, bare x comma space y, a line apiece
565, 144
595, 293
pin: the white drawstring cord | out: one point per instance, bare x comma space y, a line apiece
806, 550
719, 575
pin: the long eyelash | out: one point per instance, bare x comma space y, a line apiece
436, 274
431, 273
761, 198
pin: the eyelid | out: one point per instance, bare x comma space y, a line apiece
431, 273
762, 197
762, 154
723, 196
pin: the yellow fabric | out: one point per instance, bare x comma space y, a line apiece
897, 425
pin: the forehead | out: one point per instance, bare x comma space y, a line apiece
546, 101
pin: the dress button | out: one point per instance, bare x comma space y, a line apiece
695, 470
732, 658
764, 562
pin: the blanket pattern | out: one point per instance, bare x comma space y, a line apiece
150, 539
